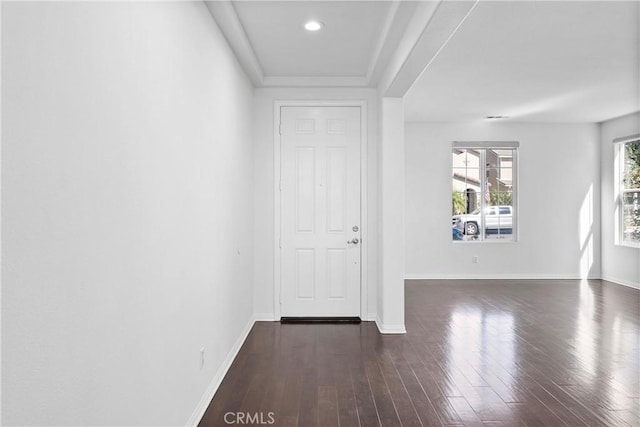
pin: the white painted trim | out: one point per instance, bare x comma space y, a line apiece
277, 176
226, 17
309, 81
496, 277
371, 317
206, 398
376, 62
485, 145
626, 139
618, 190
632, 245
611, 279
390, 329
1, 213
364, 225
621, 282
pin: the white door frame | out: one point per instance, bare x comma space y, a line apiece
364, 229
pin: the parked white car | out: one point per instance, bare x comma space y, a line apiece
495, 218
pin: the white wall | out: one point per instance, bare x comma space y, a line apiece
559, 212
390, 317
126, 211
263, 134
619, 263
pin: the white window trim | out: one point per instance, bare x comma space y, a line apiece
618, 170
484, 145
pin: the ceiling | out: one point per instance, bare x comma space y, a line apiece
352, 49
342, 48
546, 61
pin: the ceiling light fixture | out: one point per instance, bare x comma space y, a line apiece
496, 117
313, 26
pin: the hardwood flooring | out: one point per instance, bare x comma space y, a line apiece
476, 353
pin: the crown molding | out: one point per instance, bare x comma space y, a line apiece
227, 19
375, 64
317, 81
399, 16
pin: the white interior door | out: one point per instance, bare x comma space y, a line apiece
320, 211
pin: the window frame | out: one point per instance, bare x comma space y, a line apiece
482, 147
620, 190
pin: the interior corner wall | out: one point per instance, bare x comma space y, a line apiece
263, 135
558, 203
126, 211
620, 264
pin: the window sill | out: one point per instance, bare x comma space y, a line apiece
628, 245
491, 242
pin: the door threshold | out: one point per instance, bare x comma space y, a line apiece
330, 320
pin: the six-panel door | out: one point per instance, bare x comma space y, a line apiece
320, 211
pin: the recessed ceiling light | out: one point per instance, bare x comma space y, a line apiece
496, 117
313, 26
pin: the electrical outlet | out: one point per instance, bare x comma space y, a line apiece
201, 357
475, 259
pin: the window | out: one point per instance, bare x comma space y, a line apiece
628, 194
484, 192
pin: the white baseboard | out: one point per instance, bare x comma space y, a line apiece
622, 282
615, 280
496, 277
219, 376
371, 317
390, 329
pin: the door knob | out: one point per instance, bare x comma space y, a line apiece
355, 241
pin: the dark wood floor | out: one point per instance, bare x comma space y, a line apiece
476, 353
